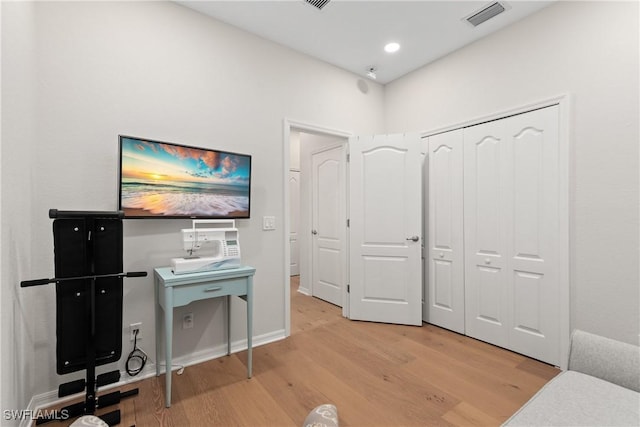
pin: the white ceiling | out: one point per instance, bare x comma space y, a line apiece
351, 34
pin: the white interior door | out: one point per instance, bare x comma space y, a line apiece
445, 297
512, 238
485, 223
534, 226
294, 221
329, 223
385, 242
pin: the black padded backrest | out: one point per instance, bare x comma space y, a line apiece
84, 247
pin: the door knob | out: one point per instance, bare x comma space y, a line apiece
413, 238
314, 232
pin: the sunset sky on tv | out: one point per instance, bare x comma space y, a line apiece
149, 160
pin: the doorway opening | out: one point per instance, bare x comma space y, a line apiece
315, 213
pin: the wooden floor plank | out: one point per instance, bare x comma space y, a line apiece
376, 374
465, 414
385, 384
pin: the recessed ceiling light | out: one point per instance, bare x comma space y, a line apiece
392, 47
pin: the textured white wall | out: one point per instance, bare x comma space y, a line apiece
156, 70
590, 51
16, 239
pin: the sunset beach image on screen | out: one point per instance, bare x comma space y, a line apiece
159, 179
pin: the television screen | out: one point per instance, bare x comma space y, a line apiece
165, 180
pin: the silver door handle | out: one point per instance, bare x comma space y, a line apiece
413, 238
314, 232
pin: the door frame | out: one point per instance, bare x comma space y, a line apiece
566, 207
288, 125
291, 172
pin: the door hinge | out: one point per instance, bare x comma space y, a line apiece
348, 157
348, 223
348, 288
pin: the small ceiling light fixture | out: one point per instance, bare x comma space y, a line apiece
392, 47
371, 72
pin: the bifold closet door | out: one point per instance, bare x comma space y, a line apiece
511, 229
485, 229
445, 295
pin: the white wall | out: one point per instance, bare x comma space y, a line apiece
16, 239
156, 70
590, 51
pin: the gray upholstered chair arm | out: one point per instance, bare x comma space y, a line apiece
604, 358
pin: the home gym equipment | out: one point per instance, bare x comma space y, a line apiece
88, 247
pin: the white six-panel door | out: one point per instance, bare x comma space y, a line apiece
445, 295
511, 228
328, 223
385, 234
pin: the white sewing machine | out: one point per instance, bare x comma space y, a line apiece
220, 236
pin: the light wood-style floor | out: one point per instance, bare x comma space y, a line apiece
376, 374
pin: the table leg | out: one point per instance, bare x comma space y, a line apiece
158, 320
168, 328
249, 326
228, 302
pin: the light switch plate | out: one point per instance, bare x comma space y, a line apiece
268, 222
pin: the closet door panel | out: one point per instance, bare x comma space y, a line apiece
489, 304
485, 166
527, 188
445, 299
486, 176
533, 196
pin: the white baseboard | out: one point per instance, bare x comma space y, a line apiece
304, 291
45, 400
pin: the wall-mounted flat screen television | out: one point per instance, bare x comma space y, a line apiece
166, 180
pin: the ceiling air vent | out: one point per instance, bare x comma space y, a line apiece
318, 3
486, 14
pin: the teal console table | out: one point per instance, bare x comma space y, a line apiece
176, 290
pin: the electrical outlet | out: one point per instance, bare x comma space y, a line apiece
187, 321
132, 331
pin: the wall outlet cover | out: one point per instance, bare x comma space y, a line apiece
135, 327
187, 321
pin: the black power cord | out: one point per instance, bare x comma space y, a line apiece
137, 358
